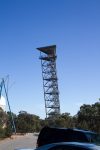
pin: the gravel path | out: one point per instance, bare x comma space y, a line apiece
27, 141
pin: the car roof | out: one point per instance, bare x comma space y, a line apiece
84, 145
68, 129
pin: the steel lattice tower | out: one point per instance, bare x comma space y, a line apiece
50, 81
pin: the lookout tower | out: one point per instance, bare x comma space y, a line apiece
50, 80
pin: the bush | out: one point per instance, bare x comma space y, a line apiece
2, 133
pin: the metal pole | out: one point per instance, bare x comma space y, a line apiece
9, 107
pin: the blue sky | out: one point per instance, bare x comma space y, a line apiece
74, 26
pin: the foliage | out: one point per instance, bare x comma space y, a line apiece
2, 133
3, 120
3, 117
27, 122
88, 117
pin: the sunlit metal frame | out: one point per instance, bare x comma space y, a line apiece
3, 86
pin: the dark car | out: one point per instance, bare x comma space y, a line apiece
53, 135
69, 146
66, 146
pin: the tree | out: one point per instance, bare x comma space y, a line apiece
89, 117
3, 118
63, 120
26, 122
3, 123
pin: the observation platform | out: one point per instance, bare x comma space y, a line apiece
49, 50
